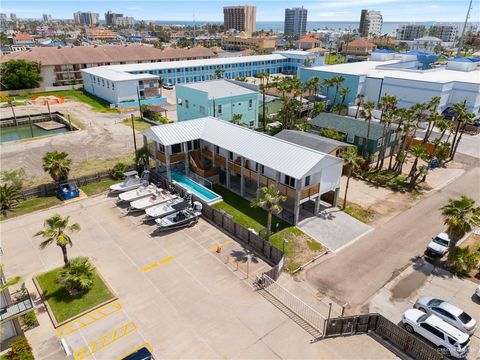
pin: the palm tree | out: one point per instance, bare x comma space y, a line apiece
270, 198
463, 118
141, 157
10, 196
57, 164
77, 276
161, 81
367, 114
236, 118
336, 81
337, 108
264, 76
318, 108
218, 73
359, 100
10, 282
328, 83
55, 231
460, 215
352, 161
344, 91
463, 260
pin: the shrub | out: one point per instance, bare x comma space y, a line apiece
77, 276
117, 171
20, 350
332, 134
15, 177
463, 260
29, 320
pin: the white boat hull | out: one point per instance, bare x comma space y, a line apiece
155, 199
138, 193
166, 208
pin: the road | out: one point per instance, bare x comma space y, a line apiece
360, 270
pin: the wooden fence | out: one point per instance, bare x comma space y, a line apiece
390, 332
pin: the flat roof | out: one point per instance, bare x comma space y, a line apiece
288, 158
219, 88
369, 68
312, 141
106, 73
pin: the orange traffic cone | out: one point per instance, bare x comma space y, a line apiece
219, 249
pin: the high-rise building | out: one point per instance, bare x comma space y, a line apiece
411, 32
47, 18
240, 18
112, 18
3, 17
445, 32
86, 18
295, 21
13, 17
371, 22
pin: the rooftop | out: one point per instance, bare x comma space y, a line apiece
104, 54
107, 73
267, 150
220, 88
312, 141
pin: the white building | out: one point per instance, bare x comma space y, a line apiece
370, 23
426, 44
445, 32
244, 160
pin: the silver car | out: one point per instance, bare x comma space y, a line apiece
447, 312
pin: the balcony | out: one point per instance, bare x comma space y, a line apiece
22, 305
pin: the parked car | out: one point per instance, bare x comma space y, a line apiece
448, 339
168, 86
439, 244
140, 354
447, 312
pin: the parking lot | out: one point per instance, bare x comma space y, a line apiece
175, 293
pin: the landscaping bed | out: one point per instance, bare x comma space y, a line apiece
31, 205
98, 187
65, 306
139, 124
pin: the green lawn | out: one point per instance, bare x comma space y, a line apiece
140, 125
358, 212
98, 187
243, 213
31, 205
96, 103
63, 305
331, 59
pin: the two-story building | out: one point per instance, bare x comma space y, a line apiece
355, 131
244, 160
219, 98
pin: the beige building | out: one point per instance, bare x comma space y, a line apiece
239, 43
240, 18
61, 66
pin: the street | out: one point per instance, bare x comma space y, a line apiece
359, 271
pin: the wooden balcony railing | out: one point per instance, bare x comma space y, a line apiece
176, 158
161, 156
312, 190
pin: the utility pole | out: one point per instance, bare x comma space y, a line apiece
460, 43
133, 130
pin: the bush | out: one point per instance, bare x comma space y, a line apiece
20, 350
463, 260
332, 134
77, 276
29, 320
15, 177
117, 171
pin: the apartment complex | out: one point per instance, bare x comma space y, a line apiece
295, 21
86, 18
244, 160
411, 32
117, 19
358, 47
101, 34
61, 66
117, 83
47, 18
220, 98
239, 43
445, 32
371, 22
241, 18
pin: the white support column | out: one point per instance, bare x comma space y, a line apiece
259, 166
242, 177
213, 156
335, 198
168, 151
317, 206
157, 163
186, 160
227, 171
296, 206
277, 179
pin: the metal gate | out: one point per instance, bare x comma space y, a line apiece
304, 311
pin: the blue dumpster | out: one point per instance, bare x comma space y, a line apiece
68, 190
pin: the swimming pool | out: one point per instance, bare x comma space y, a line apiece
197, 189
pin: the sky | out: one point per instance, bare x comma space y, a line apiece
267, 10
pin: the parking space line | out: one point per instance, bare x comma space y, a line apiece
88, 319
155, 264
104, 341
225, 243
145, 344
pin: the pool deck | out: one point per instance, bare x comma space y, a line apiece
188, 188
49, 125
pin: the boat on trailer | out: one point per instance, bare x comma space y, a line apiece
132, 181
157, 197
135, 194
182, 218
166, 208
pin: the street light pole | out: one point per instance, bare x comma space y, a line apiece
133, 130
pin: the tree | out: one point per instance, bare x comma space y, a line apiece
161, 82
463, 117
318, 108
141, 157
463, 260
352, 161
336, 81
264, 76
10, 282
15, 177
338, 107
359, 100
418, 152
367, 114
10, 196
20, 74
460, 215
438, 49
236, 118
77, 276
332, 134
270, 198
57, 164
344, 91
218, 73
55, 231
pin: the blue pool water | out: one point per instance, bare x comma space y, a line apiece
199, 190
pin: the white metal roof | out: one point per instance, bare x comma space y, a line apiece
218, 89
106, 73
288, 158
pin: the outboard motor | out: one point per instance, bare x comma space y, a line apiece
188, 198
197, 206
171, 189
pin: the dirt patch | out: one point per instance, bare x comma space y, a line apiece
405, 287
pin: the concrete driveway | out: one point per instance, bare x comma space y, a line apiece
333, 228
176, 293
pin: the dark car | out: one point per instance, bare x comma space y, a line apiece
141, 354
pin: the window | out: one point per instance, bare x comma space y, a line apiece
444, 313
189, 146
350, 138
176, 148
230, 155
289, 181
179, 101
393, 136
262, 169
251, 123
379, 142
250, 103
307, 181
219, 109
186, 104
432, 330
161, 148
202, 109
196, 144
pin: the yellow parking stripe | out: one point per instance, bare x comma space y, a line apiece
154, 265
104, 341
89, 319
146, 345
225, 243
